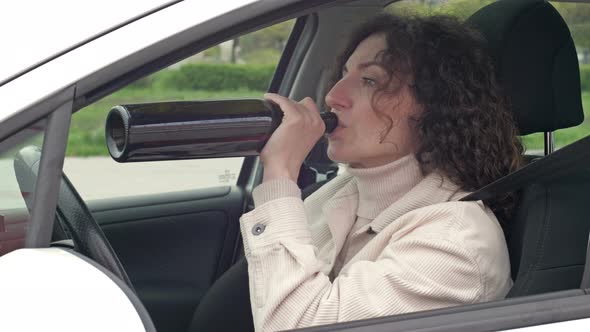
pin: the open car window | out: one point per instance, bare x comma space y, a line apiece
242, 67
576, 15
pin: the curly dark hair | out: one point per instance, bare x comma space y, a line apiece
465, 128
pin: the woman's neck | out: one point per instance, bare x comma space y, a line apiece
381, 186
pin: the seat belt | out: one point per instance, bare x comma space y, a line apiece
561, 162
571, 158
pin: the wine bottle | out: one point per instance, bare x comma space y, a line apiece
193, 129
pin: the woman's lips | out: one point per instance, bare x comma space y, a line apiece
340, 125
336, 130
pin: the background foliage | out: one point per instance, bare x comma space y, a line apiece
247, 72
212, 77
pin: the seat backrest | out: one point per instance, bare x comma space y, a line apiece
548, 238
537, 65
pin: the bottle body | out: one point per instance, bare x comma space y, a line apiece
191, 129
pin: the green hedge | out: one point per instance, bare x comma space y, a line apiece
216, 76
210, 76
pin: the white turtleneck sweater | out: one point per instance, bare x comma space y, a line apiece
376, 193
372, 242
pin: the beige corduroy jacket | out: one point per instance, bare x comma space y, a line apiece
430, 251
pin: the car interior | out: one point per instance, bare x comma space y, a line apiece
181, 252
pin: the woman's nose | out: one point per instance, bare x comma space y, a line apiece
338, 97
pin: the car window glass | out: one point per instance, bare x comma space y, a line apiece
239, 68
577, 17
458, 8
16, 193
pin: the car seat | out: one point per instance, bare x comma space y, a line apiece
537, 65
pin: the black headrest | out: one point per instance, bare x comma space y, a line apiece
536, 62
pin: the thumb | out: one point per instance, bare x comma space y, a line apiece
310, 104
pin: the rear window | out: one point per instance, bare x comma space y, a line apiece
577, 17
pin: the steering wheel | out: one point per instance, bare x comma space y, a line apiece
72, 213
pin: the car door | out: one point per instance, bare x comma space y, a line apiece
175, 224
173, 242
171, 216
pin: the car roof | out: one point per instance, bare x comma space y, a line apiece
50, 35
62, 69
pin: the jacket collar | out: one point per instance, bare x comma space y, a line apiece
340, 210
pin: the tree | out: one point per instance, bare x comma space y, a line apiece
235, 50
577, 17
458, 8
268, 41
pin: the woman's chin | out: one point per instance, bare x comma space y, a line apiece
336, 155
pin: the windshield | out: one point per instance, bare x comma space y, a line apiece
17, 188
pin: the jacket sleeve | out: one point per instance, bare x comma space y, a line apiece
419, 271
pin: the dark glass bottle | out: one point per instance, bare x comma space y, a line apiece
193, 129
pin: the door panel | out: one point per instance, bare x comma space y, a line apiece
173, 246
13, 229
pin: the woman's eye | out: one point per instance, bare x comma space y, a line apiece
369, 82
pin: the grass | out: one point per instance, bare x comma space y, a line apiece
87, 129
87, 137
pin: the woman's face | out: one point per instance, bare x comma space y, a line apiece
359, 138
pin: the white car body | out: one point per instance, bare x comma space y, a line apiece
98, 53
45, 54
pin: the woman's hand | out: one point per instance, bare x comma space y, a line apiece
294, 138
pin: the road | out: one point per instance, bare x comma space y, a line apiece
102, 177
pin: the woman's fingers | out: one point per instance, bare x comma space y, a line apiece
308, 103
291, 142
306, 110
288, 107
314, 113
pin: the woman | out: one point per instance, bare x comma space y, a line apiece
422, 122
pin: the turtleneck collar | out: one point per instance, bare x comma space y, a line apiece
379, 187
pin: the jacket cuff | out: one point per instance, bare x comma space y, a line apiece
282, 218
277, 188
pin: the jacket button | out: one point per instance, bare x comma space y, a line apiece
258, 229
